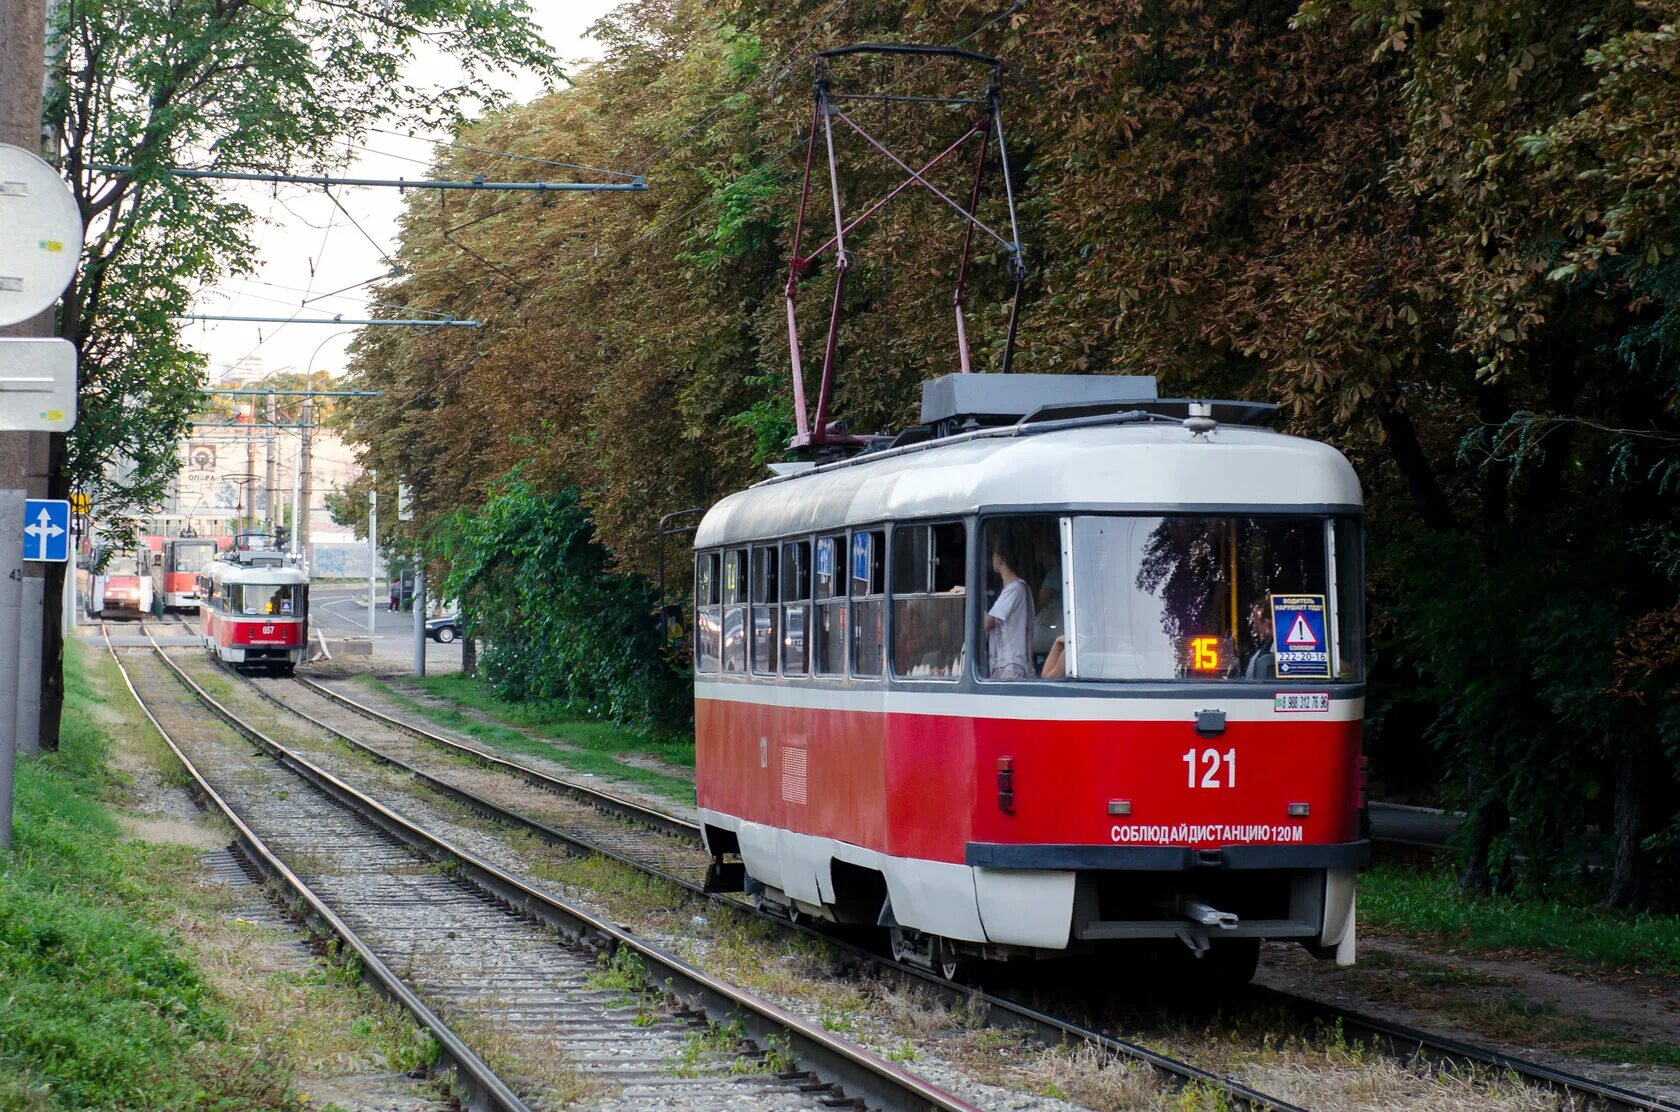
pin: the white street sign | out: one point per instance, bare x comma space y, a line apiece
37, 385
40, 235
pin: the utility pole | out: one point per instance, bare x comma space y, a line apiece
271, 520
23, 51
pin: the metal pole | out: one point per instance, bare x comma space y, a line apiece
419, 616
251, 468
271, 520
297, 485
32, 599
634, 185
11, 592
373, 549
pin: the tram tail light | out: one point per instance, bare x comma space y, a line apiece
1359, 781
1006, 785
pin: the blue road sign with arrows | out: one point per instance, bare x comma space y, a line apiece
46, 530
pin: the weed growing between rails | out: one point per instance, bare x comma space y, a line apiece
129, 982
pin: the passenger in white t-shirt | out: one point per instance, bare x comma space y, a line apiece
1009, 622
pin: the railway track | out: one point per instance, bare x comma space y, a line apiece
619, 829
467, 947
1399, 1040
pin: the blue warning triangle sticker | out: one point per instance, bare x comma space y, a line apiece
1300, 634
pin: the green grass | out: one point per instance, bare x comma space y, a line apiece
99, 1007
127, 983
594, 747
1428, 905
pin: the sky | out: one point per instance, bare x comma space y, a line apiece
308, 247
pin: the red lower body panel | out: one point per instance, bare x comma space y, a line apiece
925, 785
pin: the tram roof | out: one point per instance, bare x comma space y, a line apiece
227, 571
1157, 466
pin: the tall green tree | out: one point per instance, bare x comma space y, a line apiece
1443, 238
142, 86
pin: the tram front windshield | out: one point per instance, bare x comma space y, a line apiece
268, 600
1257, 599
192, 555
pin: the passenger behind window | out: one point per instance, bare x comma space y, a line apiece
1055, 661
1009, 622
1262, 663
1047, 596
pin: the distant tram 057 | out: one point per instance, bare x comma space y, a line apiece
1068, 667
254, 606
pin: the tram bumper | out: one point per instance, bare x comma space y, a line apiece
1054, 896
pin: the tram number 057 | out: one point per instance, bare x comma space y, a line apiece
1218, 770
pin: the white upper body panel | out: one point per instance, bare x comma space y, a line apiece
226, 571
1159, 466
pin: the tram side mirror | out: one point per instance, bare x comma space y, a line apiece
672, 626
157, 559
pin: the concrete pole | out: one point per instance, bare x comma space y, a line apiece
271, 520
24, 457
11, 594
373, 551
419, 616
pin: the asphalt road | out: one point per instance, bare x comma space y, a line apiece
342, 611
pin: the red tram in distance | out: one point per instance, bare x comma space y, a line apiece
176, 565
254, 608
1069, 666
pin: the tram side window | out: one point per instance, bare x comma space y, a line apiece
869, 585
1022, 619
830, 568
708, 615
796, 605
929, 567
734, 610
765, 611
1350, 600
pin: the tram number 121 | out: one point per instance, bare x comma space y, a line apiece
1218, 770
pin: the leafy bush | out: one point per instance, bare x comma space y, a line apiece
559, 623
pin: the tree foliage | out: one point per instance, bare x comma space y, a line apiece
1443, 238
143, 86
536, 585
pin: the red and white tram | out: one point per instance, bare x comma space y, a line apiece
175, 568
254, 606
1067, 666
122, 588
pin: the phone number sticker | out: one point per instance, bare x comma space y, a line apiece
1301, 702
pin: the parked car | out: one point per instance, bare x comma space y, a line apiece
444, 629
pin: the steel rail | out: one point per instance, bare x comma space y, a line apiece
860, 1073
487, 807
1396, 1039
1019, 1016
1408, 1043
474, 1080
